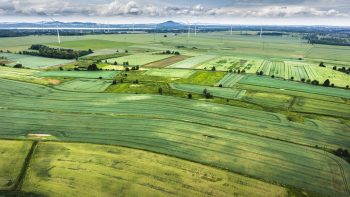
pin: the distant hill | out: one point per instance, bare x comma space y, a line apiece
170, 24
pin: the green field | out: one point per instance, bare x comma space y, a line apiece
80, 74
131, 171
171, 73
12, 157
93, 44
296, 86
232, 137
215, 91
84, 85
26, 75
138, 59
33, 61
192, 62
128, 132
230, 80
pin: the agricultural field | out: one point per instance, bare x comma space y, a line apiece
204, 78
131, 171
139, 59
215, 91
93, 44
232, 137
303, 71
84, 85
12, 158
192, 62
80, 74
172, 73
166, 62
26, 75
296, 86
227, 63
152, 130
230, 80
33, 61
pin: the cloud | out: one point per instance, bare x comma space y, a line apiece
245, 8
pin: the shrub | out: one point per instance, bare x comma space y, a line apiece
273, 76
160, 91
189, 96
213, 68
114, 82
220, 85
326, 83
302, 79
18, 66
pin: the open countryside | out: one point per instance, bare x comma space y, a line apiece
174, 109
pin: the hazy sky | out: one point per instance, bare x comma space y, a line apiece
278, 12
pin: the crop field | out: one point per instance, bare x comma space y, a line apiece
33, 61
207, 78
92, 44
172, 73
128, 132
192, 62
312, 106
215, 91
139, 59
131, 171
225, 63
26, 75
296, 86
84, 85
230, 80
232, 137
12, 156
80, 74
166, 62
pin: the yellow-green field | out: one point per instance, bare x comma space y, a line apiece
60, 169
153, 130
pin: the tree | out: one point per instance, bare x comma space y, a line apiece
205, 91
160, 91
189, 96
332, 85
302, 79
326, 83
308, 81
292, 78
136, 81
213, 68
334, 68
18, 66
261, 73
347, 87
322, 64
92, 67
127, 69
60, 68
115, 63
273, 76
220, 85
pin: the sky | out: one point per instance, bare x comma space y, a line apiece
250, 12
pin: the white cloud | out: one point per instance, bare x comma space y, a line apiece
136, 7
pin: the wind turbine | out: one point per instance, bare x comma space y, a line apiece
231, 30
261, 32
58, 32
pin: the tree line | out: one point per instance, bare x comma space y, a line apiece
45, 51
